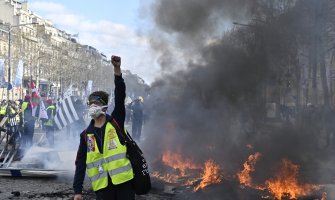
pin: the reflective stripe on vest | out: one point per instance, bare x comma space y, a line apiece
98, 176
112, 172
12, 121
120, 170
102, 161
113, 161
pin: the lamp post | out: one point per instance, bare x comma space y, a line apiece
10, 27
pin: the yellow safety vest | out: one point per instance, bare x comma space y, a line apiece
24, 106
50, 121
17, 117
112, 162
3, 110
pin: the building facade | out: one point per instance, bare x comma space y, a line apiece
52, 57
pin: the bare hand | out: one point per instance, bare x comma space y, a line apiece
78, 197
116, 61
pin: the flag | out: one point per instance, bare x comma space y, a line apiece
19, 74
89, 87
66, 112
2, 73
2, 68
68, 92
43, 112
9, 86
35, 98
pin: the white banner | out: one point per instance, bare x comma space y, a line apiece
19, 74
43, 113
89, 87
2, 73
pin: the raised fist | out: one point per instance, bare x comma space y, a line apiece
116, 61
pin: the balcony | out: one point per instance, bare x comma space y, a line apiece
30, 37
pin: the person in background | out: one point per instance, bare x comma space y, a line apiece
111, 179
28, 122
49, 125
3, 108
137, 118
12, 123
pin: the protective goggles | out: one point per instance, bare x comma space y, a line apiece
95, 100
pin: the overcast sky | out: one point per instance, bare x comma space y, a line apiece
111, 26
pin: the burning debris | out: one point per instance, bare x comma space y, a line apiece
187, 173
211, 175
177, 162
283, 185
249, 167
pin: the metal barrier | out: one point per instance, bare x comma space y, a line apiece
7, 154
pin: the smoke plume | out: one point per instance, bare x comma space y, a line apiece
211, 105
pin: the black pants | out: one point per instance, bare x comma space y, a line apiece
28, 134
137, 129
123, 191
49, 132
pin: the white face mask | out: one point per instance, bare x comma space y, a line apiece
96, 111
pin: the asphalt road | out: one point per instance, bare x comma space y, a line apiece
56, 188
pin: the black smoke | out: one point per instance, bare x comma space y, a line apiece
215, 106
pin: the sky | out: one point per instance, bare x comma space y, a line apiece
112, 27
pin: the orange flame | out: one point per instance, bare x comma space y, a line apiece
169, 178
176, 161
211, 175
286, 183
324, 196
249, 166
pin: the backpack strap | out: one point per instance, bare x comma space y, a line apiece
85, 134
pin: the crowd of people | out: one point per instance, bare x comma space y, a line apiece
99, 140
19, 122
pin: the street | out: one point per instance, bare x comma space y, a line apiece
54, 188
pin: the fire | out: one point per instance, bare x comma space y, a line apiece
177, 162
283, 185
211, 175
324, 196
249, 166
169, 178
286, 183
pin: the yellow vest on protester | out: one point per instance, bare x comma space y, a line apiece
113, 162
50, 121
24, 106
3, 110
11, 112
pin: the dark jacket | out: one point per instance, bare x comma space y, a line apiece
137, 108
118, 114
